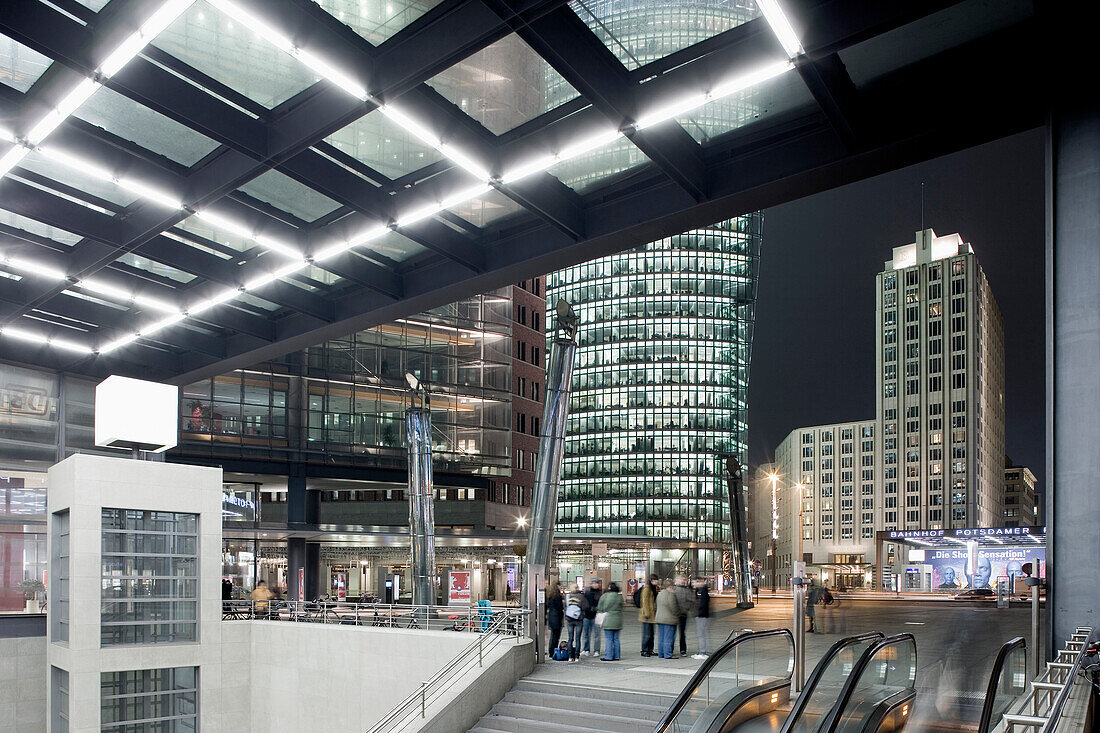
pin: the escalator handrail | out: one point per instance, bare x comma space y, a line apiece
819, 670
833, 718
705, 668
991, 689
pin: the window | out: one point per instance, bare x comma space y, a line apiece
890, 317
958, 381
912, 516
912, 315
912, 333
912, 351
889, 390
958, 324
912, 277
59, 713
149, 577
59, 579
890, 336
935, 310
867, 431
935, 329
912, 386
866, 532
935, 384
807, 451
150, 699
958, 305
535, 392
890, 281
807, 438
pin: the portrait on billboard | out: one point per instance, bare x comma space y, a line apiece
949, 566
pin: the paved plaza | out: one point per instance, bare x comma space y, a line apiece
957, 642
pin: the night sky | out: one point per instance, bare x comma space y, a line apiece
813, 359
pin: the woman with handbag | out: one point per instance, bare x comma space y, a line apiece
609, 615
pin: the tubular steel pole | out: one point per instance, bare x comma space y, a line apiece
544, 501
418, 422
739, 532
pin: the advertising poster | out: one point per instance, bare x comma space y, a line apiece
301, 584
458, 594
341, 586
949, 566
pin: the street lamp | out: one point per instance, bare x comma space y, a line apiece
774, 529
801, 504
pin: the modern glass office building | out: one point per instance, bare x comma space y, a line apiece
660, 385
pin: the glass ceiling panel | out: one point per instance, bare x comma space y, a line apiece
284, 193
590, 169
377, 20
233, 54
384, 146
780, 94
503, 85
394, 245
195, 225
641, 31
97, 187
313, 272
20, 66
155, 268
31, 226
95, 5
486, 209
139, 124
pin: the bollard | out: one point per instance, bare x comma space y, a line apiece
1036, 640
798, 593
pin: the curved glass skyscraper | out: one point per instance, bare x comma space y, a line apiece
660, 385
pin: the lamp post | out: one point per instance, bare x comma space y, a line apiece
774, 477
801, 504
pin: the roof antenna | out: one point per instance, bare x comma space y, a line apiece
922, 209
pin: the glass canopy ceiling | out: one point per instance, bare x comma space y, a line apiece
184, 176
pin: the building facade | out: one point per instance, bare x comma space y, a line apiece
660, 385
1021, 503
528, 392
939, 353
828, 502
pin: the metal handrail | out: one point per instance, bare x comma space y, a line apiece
991, 689
833, 718
705, 668
454, 618
1054, 714
500, 628
1058, 678
819, 671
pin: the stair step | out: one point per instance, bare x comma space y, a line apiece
632, 697
523, 725
556, 701
569, 718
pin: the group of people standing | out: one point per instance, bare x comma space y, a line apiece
661, 613
668, 610
584, 611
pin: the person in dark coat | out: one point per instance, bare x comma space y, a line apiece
592, 595
555, 615
702, 621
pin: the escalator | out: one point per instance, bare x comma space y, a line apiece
862, 683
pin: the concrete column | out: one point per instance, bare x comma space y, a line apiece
314, 586
302, 506
1073, 364
295, 558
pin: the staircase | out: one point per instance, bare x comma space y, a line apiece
533, 706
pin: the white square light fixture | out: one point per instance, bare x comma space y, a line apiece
133, 413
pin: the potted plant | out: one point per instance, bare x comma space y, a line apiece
31, 588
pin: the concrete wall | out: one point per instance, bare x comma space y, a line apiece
337, 679
462, 707
23, 685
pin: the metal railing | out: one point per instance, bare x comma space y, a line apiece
507, 625
381, 615
730, 646
1049, 693
995, 680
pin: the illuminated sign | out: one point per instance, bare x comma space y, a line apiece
969, 532
238, 506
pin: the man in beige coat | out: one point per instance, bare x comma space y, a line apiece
647, 614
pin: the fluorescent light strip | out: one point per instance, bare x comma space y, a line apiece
14, 332
235, 227
781, 26
321, 66
737, 84
152, 193
659, 115
34, 268
161, 18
